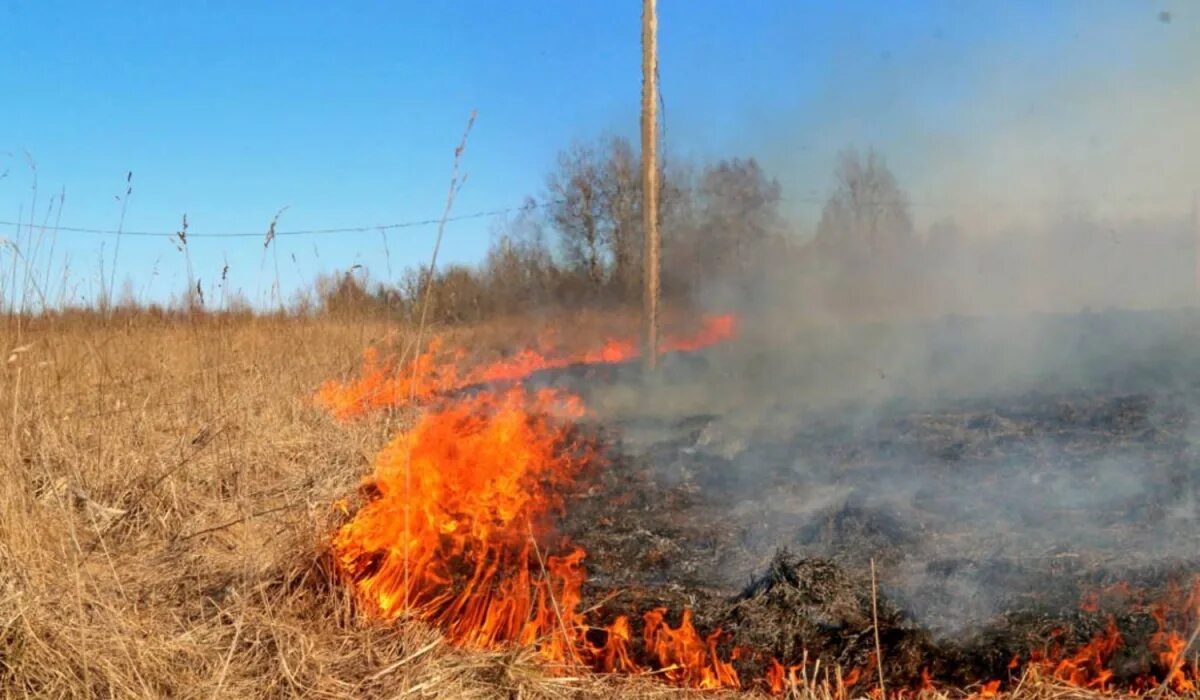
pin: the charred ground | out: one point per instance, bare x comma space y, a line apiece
991, 511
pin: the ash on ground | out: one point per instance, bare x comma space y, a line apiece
989, 507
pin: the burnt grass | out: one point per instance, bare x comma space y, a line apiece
988, 519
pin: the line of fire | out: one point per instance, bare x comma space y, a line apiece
544, 500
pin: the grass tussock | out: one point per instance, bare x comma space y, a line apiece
166, 491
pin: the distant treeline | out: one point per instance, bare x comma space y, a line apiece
726, 242
723, 236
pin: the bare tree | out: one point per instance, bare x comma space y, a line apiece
866, 218
519, 269
576, 208
343, 292
739, 209
865, 252
680, 230
622, 189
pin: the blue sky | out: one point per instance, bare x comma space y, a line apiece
348, 113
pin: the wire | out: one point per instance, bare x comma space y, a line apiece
376, 228
301, 232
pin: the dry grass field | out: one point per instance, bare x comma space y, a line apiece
167, 495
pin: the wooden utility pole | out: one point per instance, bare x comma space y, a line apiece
1196, 241
650, 177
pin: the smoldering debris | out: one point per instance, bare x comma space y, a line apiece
990, 515
809, 606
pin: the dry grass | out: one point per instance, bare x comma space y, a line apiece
165, 498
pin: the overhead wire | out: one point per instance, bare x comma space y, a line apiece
373, 228
268, 232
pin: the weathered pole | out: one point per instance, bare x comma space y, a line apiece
650, 263
1196, 242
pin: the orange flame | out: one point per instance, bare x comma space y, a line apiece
1168, 645
685, 657
851, 679
1087, 667
615, 655
780, 679
482, 474
435, 372
456, 507
927, 680
380, 385
460, 509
